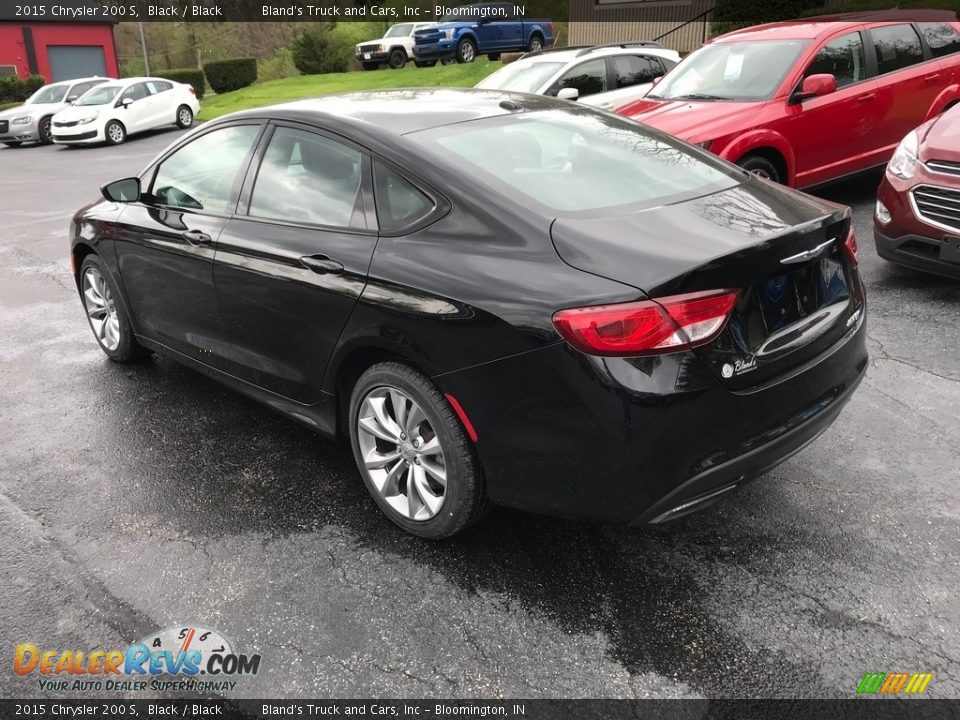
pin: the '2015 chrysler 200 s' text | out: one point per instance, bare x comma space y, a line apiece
495, 298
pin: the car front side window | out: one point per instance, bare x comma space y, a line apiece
309, 178
201, 174
587, 78
629, 70
135, 92
897, 47
843, 58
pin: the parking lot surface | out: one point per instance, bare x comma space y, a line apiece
137, 497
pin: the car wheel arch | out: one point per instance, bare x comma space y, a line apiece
769, 145
947, 98
80, 252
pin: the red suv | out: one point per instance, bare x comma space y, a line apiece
917, 220
804, 102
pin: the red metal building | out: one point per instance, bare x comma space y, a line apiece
58, 51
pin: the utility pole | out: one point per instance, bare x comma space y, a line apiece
146, 58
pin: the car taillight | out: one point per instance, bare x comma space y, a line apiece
850, 248
193, 90
647, 327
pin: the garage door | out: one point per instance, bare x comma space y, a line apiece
74, 61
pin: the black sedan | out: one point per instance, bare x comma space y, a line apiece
495, 298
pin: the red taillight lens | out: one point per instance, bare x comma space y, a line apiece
850, 248
644, 327
193, 90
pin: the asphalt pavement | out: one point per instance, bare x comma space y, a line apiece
133, 498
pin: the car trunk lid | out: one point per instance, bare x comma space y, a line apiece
783, 251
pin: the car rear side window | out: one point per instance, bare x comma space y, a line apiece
399, 203
201, 174
309, 178
158, 86
588, 78
634, 70
897, 47
941, 38
843, 58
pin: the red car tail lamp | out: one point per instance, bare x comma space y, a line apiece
647, 327
850, 248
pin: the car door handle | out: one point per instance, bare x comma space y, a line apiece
869, 97
932, 78
195, 237
321, 264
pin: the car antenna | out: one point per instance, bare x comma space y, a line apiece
510, 105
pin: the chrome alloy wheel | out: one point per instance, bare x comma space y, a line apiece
401, 453
185, 117
99, 303
115, 133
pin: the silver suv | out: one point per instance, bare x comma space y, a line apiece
605, 76
30, 122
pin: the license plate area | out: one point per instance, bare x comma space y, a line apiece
950, 250
788, 298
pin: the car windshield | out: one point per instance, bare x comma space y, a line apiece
100, 95
521, 76
400, 30
730, 71
48, 94
577, 160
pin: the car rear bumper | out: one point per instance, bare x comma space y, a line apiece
628, 440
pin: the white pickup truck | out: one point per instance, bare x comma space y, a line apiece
394, 48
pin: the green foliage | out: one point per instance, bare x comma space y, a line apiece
227, 75
190, 76
278, 66
867, 5
15, 90
319, 49
730, 15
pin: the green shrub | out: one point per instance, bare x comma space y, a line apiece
277, 67
731, 15
233, 74
318, 50
190, 76
16, 90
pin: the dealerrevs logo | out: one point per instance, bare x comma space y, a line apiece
180, 658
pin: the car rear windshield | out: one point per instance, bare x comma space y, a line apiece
521, 76
48, 94
731, 71
100, 95
578, 160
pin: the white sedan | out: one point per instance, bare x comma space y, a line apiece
113, 110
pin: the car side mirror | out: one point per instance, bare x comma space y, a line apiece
125, 103
815, 86
568, 93
484, 19
122, 191
657, 79
72, 98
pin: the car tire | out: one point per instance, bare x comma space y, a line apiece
424, 63
493, 56
448, 61
184, 117
106, 314
370, 66
535, 44
114, 132
414, 507
45, 130
397, 59
466, 51
759, 165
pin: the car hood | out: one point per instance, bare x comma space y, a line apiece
654, 249
687, 119
75, 112
17, 111
940, 140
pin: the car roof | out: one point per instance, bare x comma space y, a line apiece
74, 81
815, 27
566, 56
405, 110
